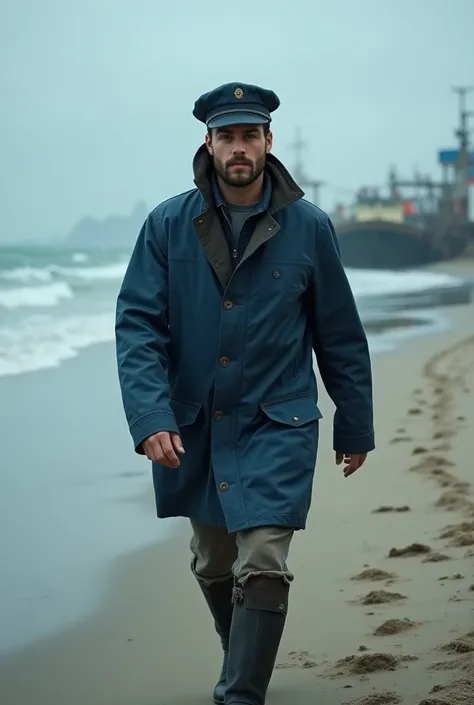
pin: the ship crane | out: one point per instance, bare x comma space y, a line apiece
428, 222
417, 182
300, 176
453, 189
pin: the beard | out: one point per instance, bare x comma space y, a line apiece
239, 178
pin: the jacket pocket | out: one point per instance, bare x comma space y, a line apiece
295, 411
185, 412
280, 280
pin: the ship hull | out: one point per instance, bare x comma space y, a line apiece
380, 244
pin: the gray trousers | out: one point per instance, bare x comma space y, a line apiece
218, 555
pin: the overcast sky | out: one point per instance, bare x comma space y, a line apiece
96, 95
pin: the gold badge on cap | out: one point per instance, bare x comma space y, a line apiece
239, 93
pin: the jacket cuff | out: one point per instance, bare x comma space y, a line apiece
355, 445
150, 423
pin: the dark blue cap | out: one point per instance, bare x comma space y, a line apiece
236, 104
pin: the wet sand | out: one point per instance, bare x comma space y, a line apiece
383, 602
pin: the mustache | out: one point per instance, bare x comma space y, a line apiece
239, 161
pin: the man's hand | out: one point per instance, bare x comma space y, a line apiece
354, 461
162, 448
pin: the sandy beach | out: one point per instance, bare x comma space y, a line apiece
382, 607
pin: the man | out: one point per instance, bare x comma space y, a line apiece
230, 288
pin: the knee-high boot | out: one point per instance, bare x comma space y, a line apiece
260, 609
219, 599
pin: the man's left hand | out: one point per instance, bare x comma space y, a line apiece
353, 461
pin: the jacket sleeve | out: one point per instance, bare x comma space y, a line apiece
142, 337
341, 348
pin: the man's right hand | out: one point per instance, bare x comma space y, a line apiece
163, 447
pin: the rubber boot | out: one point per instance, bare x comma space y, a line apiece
260, 609
219, 599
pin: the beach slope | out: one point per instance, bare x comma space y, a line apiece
382, 605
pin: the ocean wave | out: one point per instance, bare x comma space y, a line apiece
44, 342
54, 272
364, 282
35, 296
109, 272
78, 290
371, 282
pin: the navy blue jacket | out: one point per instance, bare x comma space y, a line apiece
218, 345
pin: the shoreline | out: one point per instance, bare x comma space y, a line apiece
388, 319
72, 494
151, 640
391, 306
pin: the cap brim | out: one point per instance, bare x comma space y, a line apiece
237, 118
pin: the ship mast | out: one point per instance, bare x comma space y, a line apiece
300, 176
461, 167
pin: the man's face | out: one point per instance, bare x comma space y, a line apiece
239, 153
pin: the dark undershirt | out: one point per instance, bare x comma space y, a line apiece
238, 215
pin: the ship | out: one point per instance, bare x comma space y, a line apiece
408, 222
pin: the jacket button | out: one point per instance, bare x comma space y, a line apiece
228, 305
296, 419
218, 415
224, 361
224, 486
276, 273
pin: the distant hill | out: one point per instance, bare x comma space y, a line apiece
113, 231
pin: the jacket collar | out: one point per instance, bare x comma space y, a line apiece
280, 187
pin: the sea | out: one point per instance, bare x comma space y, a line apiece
55, 303
69, 508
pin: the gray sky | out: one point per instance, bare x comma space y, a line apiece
96, 95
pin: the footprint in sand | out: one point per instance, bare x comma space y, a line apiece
446, 433
385, 697
382, 597
395, 626
385, 509
461, 645
414, 549
458, 691
401, 439
374, 574
462, 540
368, 663
419, 450
442, 447
434, 465
298, 659
455, 530
436, 557
453, 500
439, 461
